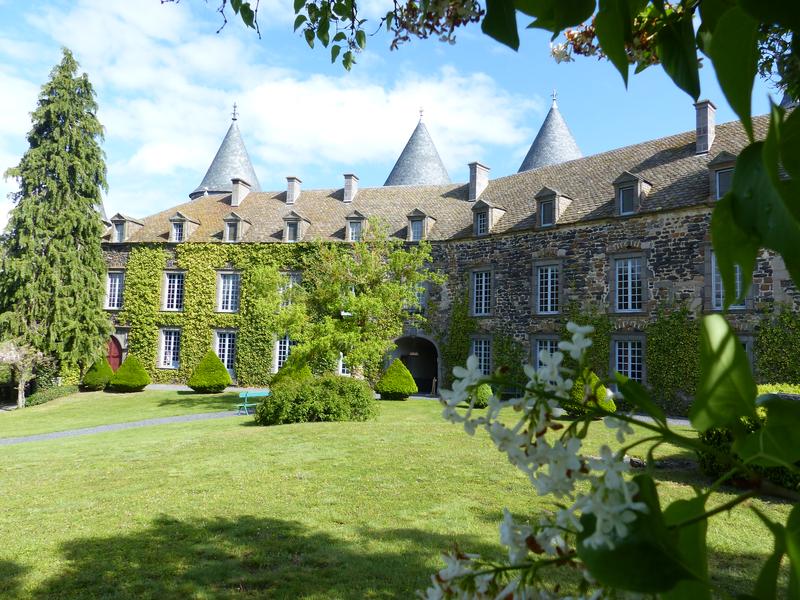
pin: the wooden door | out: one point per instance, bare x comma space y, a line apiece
114, 353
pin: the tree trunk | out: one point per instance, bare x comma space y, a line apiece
21, 394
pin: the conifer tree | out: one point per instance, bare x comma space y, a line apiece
53, 274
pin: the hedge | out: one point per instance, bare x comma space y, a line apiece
210, 376
51, 393
598, 395
396, 383
98, 376
130, 377
482, 395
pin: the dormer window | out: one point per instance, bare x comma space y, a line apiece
629, 190
720, 172
235, 227
177, 231
181, 227
724, 180
416, 229
485, 216
119, 233
550, 206
625, 197
231, 231
419, 224
354, 231
122, 228
292, 231
482, 222
294, 227
547, 213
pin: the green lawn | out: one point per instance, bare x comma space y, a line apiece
224, 509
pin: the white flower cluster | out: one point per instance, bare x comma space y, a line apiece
554, 465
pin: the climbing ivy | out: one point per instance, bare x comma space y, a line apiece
456, 339
777, 347
510, 355
600, 350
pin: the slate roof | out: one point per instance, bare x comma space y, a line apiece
679, 179
419, 162
553, 144
231, 161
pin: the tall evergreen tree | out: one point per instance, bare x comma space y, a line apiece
53, 274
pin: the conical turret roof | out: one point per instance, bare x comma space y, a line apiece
419, 163
553, 144
231, 161
787, 101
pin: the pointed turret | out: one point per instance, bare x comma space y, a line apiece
553, 144
419, 163
787, 101
230, 162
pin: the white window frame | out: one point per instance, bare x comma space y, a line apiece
628, 300
231, 231
548, 288
624, 357
417, 230
343, 368
169, 349
228, 356
292, 226
118, 290
355, 226
165, 304
481, 348
718, 289
178, 226
543, 344
119, 232
717, 173
482, 222
551, 205
283, 349
234, 298
481, 281
291, 279
621, 199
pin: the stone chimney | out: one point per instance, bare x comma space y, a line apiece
240, 189
292, 189
350, 187
706, 124
478, 179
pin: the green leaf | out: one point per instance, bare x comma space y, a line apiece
710, 13
347, 60
613, 27
732, 246
692, 548
299, 21
788, 132
500, 22
335, 49
793, 550
298, 5
783, 12
637, 395
645, 560
340, 36
726, 390
777, 443
248, 15
734, 52
323, 30
361, 39
767, 582
389, 19
676, 48
236, 5
556, 15
309, 33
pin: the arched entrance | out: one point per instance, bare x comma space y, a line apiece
422, 359
114, 353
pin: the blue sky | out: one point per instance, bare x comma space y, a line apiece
165, 83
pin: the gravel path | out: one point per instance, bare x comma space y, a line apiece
115, 427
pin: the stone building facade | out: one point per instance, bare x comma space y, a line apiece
621, 233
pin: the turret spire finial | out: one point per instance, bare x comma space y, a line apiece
421, 112
554, 96
235, 114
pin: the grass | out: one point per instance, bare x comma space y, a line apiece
223, 509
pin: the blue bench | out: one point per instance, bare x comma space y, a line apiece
245, 406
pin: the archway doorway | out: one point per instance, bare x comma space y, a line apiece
420, 356
114, 353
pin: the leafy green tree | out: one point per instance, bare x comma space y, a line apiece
52, 282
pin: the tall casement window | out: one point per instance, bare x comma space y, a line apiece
225, 347
416, 229
292, 228
481, 293
628, 358
291, 280
625, 198
547, 213
628, 284
170, 348
119, 232
173, 291
542, 345
481, 223
228, 294
344, 368
283, 351
115, 284
482, 349
178, 228
547, 289
724, 179
718, 290
354, 231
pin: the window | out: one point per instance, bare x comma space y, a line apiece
416, 230
717, 289
628, 284
354, 231
481, 293
481, 223
173, 291
724, 179
115, 284
541, 345
231, 231
547, 289
482, 349
292, 227
547, 213
291, 280
344, 368
226, 348
625, 199
177, 231
119, 232
228, 300
283, 351
629, 359
170, 348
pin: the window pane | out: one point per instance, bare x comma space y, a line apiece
114, 289
355, 231
629, 286
717, 288
482, 292
284, 350
629, 355
724, 181
174, 299
232, 231
543, 345
177, 232
119, 232
626, 201
171, 344
547, 286
482, 349
547, 213
229, 296
226, 348
481, 223
416, 230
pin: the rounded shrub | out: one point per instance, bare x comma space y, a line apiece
582, 403
98, 376
396, 383
293, 369
130, 377
209, 376
325, 398
482, 395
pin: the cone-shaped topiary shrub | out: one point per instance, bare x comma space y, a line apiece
598, 395
482, 395
130, 377
98, 376
396, 383
209, 376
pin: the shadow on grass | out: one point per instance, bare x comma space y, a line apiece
10, 574
250, 557
211, 402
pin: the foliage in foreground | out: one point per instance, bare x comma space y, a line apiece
130, 377
23, 360
325, 398
396, 383
210, 376
98, 376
